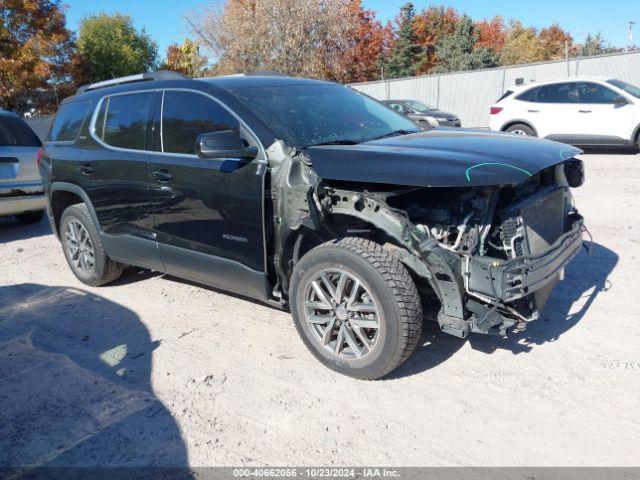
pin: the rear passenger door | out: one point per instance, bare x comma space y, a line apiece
208, 212
554, 111
113, 172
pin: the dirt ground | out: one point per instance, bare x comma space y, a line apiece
156, 371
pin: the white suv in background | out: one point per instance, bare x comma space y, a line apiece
576, 110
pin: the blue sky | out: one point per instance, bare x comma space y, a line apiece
163, 18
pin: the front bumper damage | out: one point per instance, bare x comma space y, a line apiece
477, 294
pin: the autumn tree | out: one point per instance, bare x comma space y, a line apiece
111, 46
522, 45
371, 41
460, 51
552, 42
405, 53
185, 59
296, 37
431, 26
491, 34
36, 54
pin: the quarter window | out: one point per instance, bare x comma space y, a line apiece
526, 96
186, 115
594, 93
123, 120
557, 93
68, 121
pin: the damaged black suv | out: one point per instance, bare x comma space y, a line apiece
309, 195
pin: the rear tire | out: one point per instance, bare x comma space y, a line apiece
83, 249
28, 218
521, 129
381, 322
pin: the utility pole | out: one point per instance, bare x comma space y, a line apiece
629, 36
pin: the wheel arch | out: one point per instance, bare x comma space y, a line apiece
635, 136
62, 196
300, 241
517, 121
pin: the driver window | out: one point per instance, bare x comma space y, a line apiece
595, 93
185, 115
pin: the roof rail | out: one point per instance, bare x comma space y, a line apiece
140, 77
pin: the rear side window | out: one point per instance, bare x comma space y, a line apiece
186, 115
68, 121
123, 120
557, 93
529, 95
14, 132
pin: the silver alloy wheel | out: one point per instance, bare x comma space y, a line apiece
80, 248
342, 314
519, 132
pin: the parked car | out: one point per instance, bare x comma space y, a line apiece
21, 191
578, 111
308, 195
424, 114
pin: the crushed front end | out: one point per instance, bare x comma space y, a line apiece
492, 254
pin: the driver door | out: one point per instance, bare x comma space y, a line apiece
208, 212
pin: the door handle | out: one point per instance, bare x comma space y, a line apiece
533, 111
85, 168
584, 111
161, 176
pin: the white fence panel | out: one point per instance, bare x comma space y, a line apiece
470, 94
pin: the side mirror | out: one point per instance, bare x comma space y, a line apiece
223, 144
620, 101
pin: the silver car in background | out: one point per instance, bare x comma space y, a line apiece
20, 185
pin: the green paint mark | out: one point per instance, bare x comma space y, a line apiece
495, 163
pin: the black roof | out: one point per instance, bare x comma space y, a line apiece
220, 87
241, 81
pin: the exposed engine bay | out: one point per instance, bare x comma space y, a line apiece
489, 255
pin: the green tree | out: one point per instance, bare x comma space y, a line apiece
460, 51
405, 53
594, 45
111, 47
185, 59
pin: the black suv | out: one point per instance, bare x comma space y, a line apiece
309, 195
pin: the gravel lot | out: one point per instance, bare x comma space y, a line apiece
157, 371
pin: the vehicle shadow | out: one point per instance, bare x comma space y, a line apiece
75, 387
610, 150
11, 230
586, 276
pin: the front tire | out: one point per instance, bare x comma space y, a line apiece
83, 249
521, 129
356, 307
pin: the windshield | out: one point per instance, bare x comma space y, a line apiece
419, 107
304, 114
627, 87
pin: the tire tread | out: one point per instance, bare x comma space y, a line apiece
397, 279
